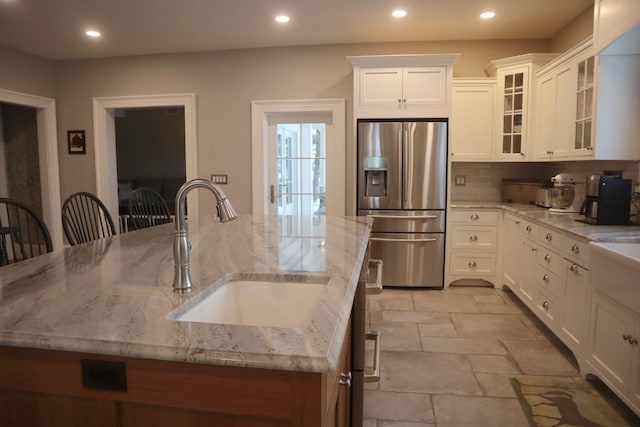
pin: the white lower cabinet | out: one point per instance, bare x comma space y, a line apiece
548, 270
527, 289
511, 248
573, 322
473, 239
613, 352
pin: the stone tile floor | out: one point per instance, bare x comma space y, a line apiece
447, 356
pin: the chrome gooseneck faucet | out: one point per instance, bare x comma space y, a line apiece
182, 280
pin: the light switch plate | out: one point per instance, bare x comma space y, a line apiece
219, 179
461, 180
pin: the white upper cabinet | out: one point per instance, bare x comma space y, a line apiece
473, 119
515, 102
397, 86
616, 28
564, 104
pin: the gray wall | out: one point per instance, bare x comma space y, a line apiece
21, 72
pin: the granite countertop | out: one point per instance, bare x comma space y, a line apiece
563, 222
112, 296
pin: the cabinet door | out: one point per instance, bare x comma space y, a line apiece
381, 86
528, 288
472, 121
424, 86
609, 352
585, 84
511, 253
512, 107
565, 111
634, 394
545, 116
574, 307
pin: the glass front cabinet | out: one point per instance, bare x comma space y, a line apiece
583, 144
516, 102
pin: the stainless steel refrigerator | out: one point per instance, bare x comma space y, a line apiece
402, 184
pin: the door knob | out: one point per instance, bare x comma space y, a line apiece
345, 379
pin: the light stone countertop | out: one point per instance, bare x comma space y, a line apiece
562, 222
112, 296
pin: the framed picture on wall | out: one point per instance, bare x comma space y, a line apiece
77, 142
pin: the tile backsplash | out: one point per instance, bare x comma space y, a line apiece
483, 180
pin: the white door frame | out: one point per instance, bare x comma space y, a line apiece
47, 158
336, 148
105, 141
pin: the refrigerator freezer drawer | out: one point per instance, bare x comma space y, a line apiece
406, 221
410, 259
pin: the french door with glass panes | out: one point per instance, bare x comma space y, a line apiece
297, 168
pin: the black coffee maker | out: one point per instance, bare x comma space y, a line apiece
608, 199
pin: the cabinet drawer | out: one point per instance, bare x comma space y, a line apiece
551, 282
469, 237
472, 264
547, 308
528, 229
474, 216
577, 251
550, 237
550, 260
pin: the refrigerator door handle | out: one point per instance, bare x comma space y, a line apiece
405, 163
402, 216
387, 239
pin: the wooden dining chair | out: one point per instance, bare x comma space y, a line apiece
85, 218
23, 234
147, 209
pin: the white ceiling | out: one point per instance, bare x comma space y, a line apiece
54, 28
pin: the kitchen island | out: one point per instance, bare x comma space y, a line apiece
86, 336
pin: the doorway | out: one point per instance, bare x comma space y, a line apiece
150, 153
42, 183
298, 157
105, 110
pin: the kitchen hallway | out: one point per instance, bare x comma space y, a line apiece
448, 357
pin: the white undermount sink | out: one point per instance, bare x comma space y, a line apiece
615, 268
285, 301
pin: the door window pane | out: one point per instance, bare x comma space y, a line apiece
301, 168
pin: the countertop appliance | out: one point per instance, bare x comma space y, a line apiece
608, 200
402, 184
543, 197
568, 193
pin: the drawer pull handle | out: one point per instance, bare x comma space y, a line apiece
517, 222
545, 278
472, 264
474, 217
574, 268
633, 341
473, 238
549, 237
373, 375
376, 287
545, 305
575, 249
345, 379
626, 337
528, 228
547, 257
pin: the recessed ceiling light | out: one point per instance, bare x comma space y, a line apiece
93, 33
487, 15
399, 13
282, 18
